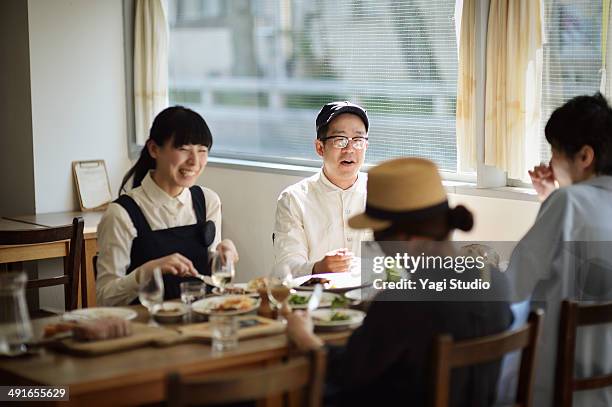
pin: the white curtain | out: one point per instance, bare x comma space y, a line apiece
465, 15
513, 85
150, 64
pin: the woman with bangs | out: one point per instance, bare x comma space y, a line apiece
165, 221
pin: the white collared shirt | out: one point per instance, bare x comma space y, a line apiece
116, 233
311, 220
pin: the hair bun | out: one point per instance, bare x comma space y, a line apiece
461, 218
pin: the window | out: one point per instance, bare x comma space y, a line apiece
572, 55
259, 71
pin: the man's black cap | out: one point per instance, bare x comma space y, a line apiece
331, 110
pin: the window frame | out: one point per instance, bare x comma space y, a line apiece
485, 177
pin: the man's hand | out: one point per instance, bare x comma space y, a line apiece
543, 180
336, 261
300, 330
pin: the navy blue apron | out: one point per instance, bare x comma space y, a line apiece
192, 241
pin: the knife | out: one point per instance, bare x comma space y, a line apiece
315, 298
205, 279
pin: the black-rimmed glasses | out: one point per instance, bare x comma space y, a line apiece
358, 143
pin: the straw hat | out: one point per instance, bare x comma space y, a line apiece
401, 189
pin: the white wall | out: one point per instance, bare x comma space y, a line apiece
78, 94
249, 202
78, 103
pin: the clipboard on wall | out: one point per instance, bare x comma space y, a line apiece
92, 184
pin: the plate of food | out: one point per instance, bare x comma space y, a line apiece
237, 289
226, 305
95, 313
337, 318
299, 300
257, 284
87, 330
335, 282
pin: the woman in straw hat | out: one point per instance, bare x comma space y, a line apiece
386, 359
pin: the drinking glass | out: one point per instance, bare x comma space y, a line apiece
224, 332
191, 291
222, 270
15, 326
151, 292
280, 282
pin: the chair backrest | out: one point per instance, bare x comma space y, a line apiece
72, 258
306, 373
449, 354
95, 266
574, 315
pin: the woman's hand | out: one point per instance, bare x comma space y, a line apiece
300, 330
543, 180
175, 264
226, 249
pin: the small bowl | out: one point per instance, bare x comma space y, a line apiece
170, 313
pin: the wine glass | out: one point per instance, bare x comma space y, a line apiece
151, 292
279, 287
222, 270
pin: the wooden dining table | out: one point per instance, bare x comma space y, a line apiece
10, 254
90, 241
137, 376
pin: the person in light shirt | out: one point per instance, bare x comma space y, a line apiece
566, 253
165, 221
311, 234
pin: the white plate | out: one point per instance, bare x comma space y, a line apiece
92, 314
326, 299
321, 318
361, 294
339, 282
206, 306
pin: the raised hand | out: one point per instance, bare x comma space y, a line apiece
543, 180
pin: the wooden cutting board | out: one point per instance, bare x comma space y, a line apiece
249, 326
142, 335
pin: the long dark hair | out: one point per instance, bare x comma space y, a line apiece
177, 123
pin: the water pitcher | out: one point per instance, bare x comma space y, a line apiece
15, 326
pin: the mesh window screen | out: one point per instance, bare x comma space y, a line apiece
572, 56
259, 71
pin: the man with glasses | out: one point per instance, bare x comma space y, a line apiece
311, 234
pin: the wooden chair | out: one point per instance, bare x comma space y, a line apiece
449, 354
43, 249
573, 316
305, 373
